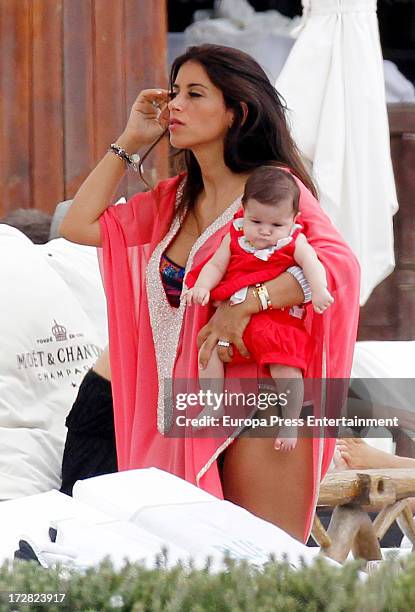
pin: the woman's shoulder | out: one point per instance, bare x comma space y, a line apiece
171, 184
147, 211
163, 187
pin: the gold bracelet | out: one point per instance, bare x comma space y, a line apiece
255, 293
264, 290
262, 293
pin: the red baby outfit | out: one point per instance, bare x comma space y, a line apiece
272, 336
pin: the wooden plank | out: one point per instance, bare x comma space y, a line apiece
146, 46
401, 117
109, 78
374, 332
79, 120
146, 66
406, 524
319, 533
388, 515
380, 310
406, 215
15, 110
366, 486
390, 311
47, 125
405, 218
350, 528
109, 75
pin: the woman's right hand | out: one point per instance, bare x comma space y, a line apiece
145, 124
148, 119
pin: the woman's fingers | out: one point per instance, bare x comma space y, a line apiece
157, 97
240, 345
226, 324
206, 350
225, 353
144, 124
152, 103
202, 335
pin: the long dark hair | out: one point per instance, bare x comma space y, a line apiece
262, 137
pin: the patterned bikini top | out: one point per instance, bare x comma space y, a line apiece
172, 278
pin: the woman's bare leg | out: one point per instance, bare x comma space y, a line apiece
102, 364
272, 485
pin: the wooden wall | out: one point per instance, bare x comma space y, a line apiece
69, 72
390, 311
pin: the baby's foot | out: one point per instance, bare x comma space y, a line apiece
284, 442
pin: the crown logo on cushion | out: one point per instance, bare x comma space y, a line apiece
59, 331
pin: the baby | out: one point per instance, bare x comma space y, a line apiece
264, 240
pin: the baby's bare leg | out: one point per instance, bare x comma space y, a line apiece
211, 381
288, 380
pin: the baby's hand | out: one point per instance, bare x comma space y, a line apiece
321, 300
197, 295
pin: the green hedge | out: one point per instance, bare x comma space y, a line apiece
241, 587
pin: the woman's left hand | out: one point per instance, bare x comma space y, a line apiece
228, 323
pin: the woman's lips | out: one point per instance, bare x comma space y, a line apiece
174, 124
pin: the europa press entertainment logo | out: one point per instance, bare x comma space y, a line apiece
59, 332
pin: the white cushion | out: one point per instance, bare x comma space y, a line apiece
130, 491
78, 266
32, 516
47, 345
188, 517
375, 359
384, 373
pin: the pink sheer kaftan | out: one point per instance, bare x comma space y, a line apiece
151, 342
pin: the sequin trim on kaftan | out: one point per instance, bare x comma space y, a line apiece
163, 317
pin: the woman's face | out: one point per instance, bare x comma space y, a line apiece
198, 115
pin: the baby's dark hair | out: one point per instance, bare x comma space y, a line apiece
269, 185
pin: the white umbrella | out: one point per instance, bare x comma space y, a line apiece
333, 84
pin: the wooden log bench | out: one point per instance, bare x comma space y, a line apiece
353, 494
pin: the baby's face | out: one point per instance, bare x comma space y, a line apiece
264, 224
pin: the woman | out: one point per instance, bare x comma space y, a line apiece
227, 117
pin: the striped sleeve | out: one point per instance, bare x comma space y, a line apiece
298, 274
